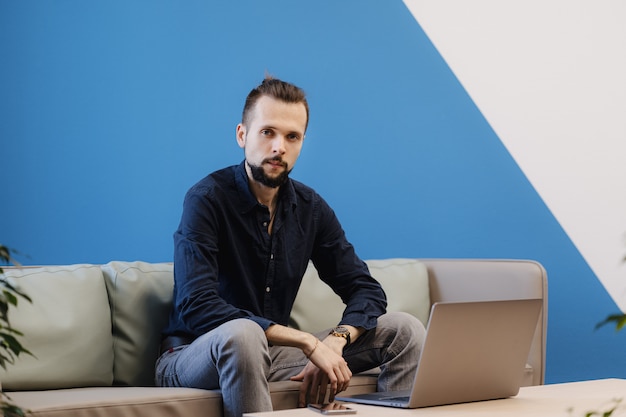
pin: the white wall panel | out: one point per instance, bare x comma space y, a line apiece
550, 78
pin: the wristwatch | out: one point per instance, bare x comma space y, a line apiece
341, 331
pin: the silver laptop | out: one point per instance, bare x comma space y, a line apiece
473, 351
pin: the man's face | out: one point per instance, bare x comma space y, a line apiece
272, 139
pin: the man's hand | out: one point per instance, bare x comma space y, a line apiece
326, 369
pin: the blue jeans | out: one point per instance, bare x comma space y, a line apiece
236, 358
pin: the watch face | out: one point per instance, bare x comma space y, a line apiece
341, 330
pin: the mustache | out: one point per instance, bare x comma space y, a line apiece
275, 159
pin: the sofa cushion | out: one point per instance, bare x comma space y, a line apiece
156, 402
405, 282
67, 327
140, 295
121, 402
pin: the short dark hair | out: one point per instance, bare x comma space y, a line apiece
278, 89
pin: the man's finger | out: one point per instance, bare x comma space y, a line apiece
298, 377
304, 390
323, 388
347, 376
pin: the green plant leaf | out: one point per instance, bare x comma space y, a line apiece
9, 409
10, 297
618, 319
12, 330
4, 360
11, 289
10, 347
5, 254
10, 343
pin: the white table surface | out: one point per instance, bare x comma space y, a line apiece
573, 399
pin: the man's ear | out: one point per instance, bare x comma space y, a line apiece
241, 135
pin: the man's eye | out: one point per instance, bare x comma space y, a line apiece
293, 137
266, 132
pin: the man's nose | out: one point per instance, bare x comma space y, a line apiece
278, 145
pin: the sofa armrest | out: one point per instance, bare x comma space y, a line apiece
487, 279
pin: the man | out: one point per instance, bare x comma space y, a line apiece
245, 238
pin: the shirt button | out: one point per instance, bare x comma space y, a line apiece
264, 224
271, 256
267, 289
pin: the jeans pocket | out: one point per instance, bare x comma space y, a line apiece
165, 375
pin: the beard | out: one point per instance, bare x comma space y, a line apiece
259, 175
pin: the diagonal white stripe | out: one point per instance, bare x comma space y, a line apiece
549, 78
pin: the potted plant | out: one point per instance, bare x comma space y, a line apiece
10, 346
618, 319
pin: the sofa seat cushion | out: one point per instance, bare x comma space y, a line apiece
405, 282
155, 402
67, 327
121, 402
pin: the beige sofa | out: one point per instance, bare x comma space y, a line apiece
94, 330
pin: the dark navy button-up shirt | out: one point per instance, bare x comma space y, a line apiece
227, 265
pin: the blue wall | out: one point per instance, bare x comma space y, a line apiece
110, 110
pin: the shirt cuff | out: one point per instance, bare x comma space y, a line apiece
358, 320
261, 321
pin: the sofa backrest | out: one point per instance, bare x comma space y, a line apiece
140, 295
67, 328
95, 325
89, 325
405, 282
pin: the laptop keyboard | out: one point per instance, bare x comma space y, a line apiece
402, 399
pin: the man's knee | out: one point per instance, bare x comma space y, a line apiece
241, 337
404, 325
399, 319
